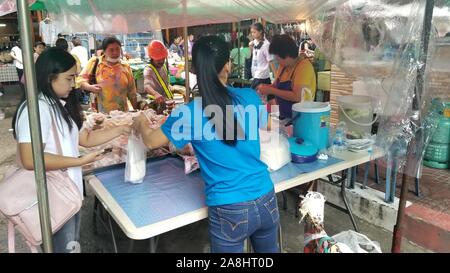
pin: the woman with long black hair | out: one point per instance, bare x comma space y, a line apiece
55, 77
222, 126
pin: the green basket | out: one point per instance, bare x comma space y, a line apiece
437, 152
442, 133
436, 165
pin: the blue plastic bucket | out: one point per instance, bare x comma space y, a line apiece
313, 124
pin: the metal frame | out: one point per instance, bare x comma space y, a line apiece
23, 14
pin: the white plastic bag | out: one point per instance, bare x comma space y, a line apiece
135, 165
274, 149
353, 242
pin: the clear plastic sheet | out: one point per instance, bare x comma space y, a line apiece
380, 43
119, 16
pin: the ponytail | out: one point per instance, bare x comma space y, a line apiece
210, 54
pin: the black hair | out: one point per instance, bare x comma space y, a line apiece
283, 46
244, 41
110, 40
73, 107
50, 63
38, 43
62, 43
76, 41
209, 55
259, 27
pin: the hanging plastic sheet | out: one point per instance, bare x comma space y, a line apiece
380, 42
115, 16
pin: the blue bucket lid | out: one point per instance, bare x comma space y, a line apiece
311, 107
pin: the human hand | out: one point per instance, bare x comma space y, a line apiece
125, 129
91, 157
95, 88
159, 98
264, 89
137, 123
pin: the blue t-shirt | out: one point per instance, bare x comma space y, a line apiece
232, 174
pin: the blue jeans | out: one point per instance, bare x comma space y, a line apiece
230, 225
67, 239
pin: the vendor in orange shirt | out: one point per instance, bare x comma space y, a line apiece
114, 79
295, 79
156, 76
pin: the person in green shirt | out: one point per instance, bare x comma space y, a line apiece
238, 57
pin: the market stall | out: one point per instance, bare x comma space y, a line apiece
337, 31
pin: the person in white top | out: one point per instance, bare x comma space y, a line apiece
16, 53
55, 74
79, 51
262, 61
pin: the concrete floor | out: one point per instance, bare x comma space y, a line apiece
188, 239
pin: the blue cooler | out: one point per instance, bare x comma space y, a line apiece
311, 122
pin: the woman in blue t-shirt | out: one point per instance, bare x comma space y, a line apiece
222, 126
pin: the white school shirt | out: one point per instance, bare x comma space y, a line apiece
261, 60
82, 54
68, 139
18, 52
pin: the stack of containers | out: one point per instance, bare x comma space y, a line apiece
437, 154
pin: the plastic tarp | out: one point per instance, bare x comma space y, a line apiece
118, 16
380, 41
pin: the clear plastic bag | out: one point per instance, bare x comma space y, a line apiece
135, 165
353, 242
275, 150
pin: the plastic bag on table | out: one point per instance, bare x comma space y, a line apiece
135, 165
275, 150
353, 242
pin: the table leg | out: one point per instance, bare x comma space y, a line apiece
131, 246
283, 194
94, 215
388, 181
366, 175
394, 181
153, 244
112, 233
377, 174
353, 178
344, 197
280, 238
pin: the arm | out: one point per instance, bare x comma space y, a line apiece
294, 96
14, 56
83, 78
272, 67
153, 138
149, 84
91, 138
55, 162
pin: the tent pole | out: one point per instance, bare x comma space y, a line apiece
418, 140
35, 125
186, 54
186, 62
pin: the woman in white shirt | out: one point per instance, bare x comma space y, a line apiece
16, 53
55, 75
262, 61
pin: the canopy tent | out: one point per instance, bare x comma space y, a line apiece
104, 16
335, 25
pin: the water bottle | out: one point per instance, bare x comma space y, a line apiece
338, 143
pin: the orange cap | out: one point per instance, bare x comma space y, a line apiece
156, 50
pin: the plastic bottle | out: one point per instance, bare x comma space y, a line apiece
338, 143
